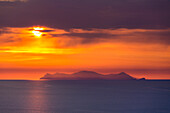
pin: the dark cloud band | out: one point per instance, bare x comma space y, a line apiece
68, 14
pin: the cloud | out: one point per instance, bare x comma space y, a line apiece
60, 38
13, 0
10, 3
122, 35
68, 14
90, 35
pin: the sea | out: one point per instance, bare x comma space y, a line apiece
88, 96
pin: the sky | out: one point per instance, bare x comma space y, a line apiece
107, 36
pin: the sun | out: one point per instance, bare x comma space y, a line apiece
37, 31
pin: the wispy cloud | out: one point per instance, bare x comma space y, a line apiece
13, 0
60, 38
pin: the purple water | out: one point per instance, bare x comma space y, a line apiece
84, 96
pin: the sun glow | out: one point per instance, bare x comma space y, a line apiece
37, 31
38, 28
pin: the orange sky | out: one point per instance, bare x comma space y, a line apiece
30, 52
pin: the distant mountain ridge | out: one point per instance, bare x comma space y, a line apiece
88, 75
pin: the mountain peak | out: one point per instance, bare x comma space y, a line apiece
122, 73
86, 72
48, 74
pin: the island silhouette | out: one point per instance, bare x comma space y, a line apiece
89, 75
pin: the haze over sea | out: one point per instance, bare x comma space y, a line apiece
88, 96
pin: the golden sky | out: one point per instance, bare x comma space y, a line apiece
30, 52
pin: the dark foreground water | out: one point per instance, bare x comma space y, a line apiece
84, 96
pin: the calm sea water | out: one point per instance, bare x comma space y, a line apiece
84, 96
